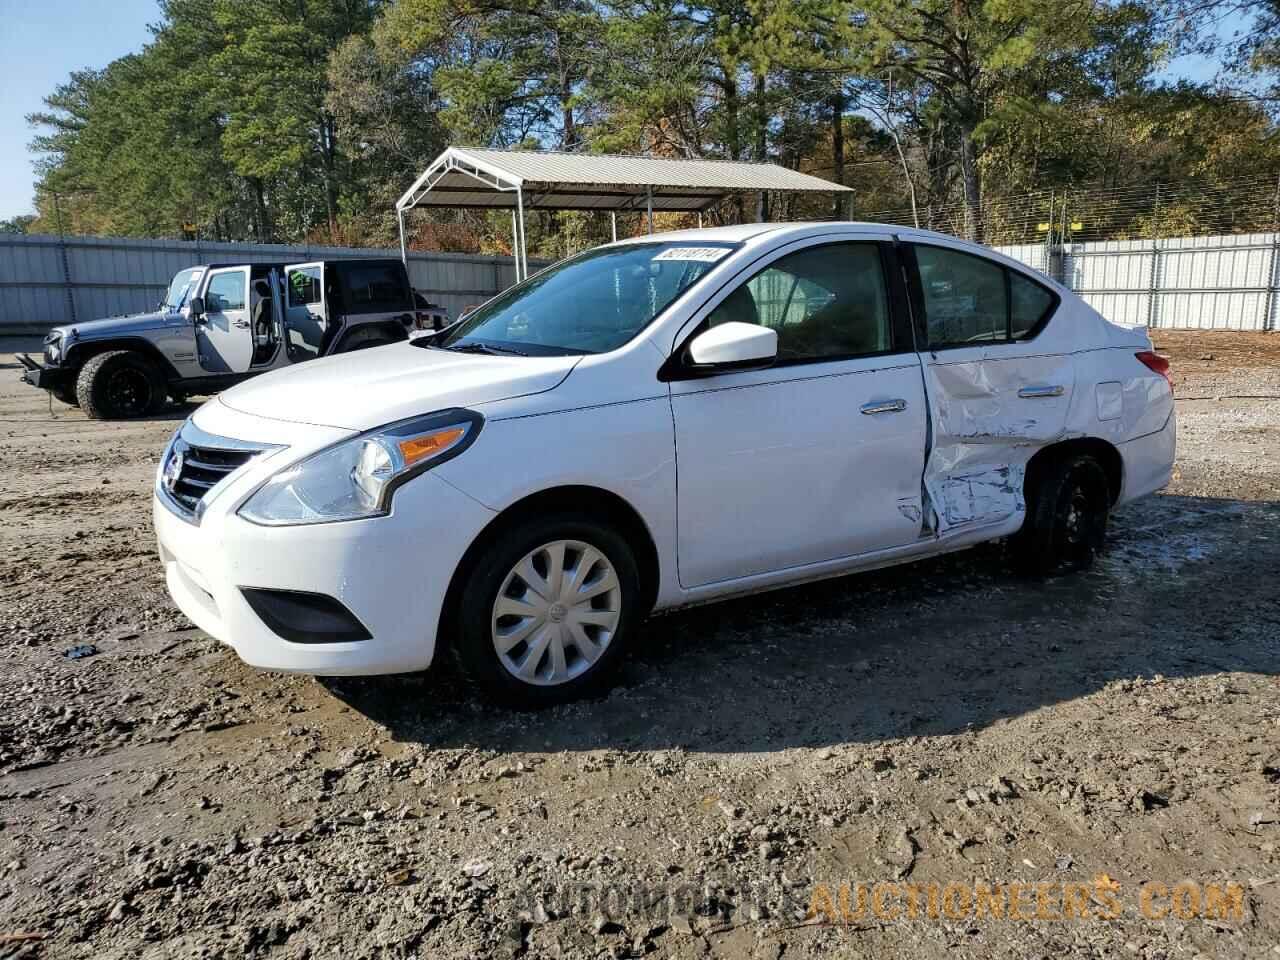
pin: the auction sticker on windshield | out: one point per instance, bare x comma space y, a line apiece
701, 254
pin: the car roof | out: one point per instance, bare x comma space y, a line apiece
775, 232
739, 233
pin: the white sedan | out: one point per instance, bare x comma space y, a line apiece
654, 423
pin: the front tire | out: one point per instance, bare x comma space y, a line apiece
1066, 521
547, 610
119, 384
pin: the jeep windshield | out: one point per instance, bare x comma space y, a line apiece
179, 288
591, 303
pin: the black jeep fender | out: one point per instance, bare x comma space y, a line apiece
78, 353
390, 329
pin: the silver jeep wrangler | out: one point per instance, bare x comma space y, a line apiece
222, 323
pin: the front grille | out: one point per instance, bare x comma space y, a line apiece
198, 462
202, 468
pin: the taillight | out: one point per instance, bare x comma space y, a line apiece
1156, 363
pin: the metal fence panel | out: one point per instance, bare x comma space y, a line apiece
1227, 282
47, 280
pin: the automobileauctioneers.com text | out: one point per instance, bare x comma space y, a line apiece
848, 902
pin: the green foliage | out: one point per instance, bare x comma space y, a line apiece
291, 119
18, 224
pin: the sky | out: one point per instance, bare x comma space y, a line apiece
42, 41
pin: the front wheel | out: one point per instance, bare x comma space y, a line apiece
1066, 517
547, 610
119, 384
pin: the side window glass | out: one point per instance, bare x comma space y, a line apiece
1029, 302
964, 297
825, 303
226, 292
304, 286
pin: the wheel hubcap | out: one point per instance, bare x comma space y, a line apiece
1076, 519
129, 391
556, 613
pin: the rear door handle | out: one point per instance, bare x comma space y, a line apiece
1031, 393
240, 323
884, 406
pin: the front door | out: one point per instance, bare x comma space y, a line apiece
996, 395
223, 335
306, 312
818, 457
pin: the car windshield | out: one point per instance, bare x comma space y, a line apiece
592, 303
180, 287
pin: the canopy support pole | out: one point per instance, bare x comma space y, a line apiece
404, 258
524, 250
515, 245
613, 219
648, 203
699, 219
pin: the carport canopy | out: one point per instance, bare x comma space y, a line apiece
520, 180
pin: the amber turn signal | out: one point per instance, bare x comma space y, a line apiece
429, 444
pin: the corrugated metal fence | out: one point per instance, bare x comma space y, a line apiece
48, 280
1198, 283
1215, 283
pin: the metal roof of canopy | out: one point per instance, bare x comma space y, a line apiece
469, 177
520, 180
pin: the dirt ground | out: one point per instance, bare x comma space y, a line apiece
1101, 750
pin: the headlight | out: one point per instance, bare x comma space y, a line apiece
53, 348
356, 478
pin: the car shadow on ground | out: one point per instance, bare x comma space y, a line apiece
939, 647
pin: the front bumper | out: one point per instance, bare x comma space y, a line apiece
46, 378
391, 573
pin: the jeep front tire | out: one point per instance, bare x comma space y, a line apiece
119, 384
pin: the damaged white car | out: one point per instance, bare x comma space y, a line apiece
650, 424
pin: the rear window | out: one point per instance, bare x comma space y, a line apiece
374, 288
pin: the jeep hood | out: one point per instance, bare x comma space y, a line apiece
368, 388
118, 326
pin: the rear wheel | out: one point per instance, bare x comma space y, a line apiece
366, 344
119, 384
1066, 521
547, 610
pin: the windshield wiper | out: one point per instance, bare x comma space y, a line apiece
477, 347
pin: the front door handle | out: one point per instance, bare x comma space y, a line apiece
884, 406
1031, 393
240, 323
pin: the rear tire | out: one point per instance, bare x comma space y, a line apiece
556, 646
119, 384
366, 344
1066, 521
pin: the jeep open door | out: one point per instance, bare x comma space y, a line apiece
223, 337
306, 315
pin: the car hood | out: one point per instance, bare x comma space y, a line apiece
368, 388
118, 326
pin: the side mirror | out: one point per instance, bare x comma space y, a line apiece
197, 309
734, 346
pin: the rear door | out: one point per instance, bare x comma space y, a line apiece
996, 395
223, 336
306, 314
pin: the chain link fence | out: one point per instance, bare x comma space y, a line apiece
1153, 211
